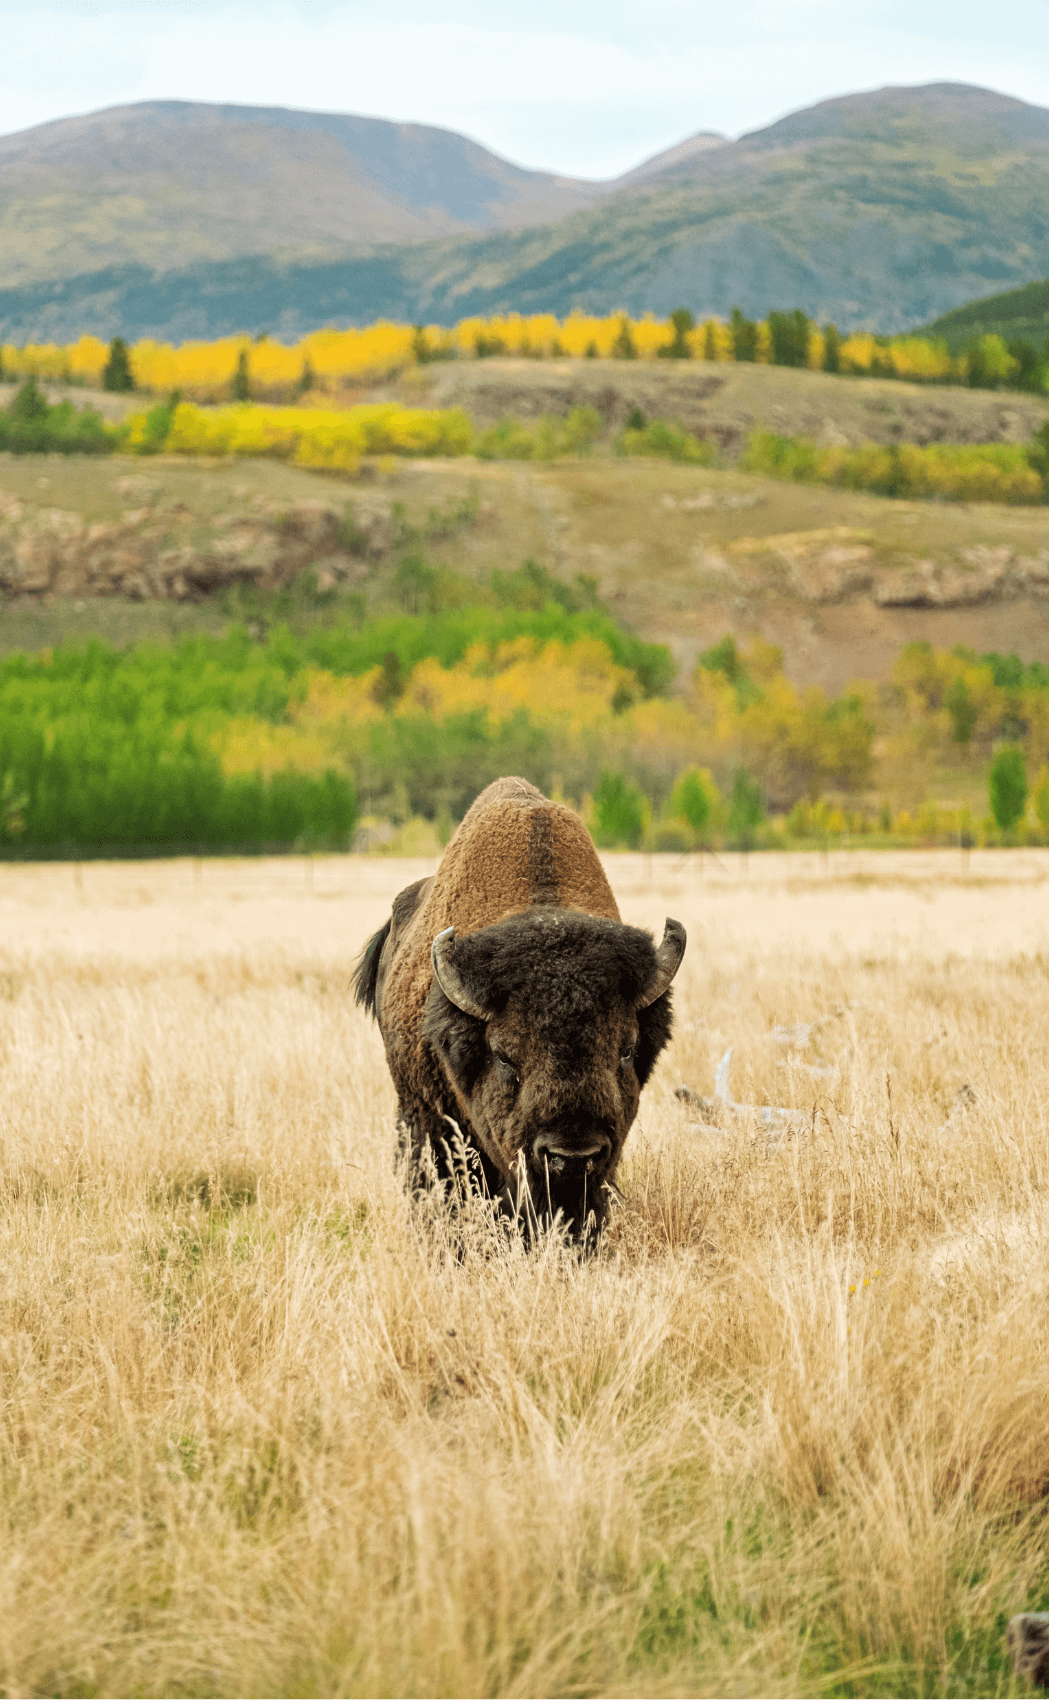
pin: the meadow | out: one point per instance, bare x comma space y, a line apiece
263, 1433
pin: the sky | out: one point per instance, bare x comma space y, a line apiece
559, 85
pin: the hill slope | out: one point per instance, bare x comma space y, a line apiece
170, 182
881, 209
1022, 313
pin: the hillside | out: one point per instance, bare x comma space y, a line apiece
170, 183
1016, 313
839, 579
881, 209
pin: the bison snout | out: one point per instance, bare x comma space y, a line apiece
589, 1150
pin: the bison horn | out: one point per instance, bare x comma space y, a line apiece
668, 961
449, 978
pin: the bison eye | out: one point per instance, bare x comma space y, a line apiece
627, 1058
504, 1062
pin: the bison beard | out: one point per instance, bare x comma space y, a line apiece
514, 1002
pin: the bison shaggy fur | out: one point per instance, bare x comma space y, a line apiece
516, 1006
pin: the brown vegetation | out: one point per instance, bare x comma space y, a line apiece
262, 1431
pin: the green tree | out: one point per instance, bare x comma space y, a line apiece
1008, 787
307, 377
710, 342
693, 799
118, 374
746, 810
240, 390
790, 338
1041, 796
680, 348
620, 811
963, 712
831, 348
624, 347
744, 337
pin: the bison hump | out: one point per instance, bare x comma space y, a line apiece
516, 850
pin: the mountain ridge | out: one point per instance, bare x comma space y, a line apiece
881, 209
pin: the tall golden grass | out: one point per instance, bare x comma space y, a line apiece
263, 1433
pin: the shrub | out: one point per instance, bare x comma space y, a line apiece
32, 426
665, 441
1008, 787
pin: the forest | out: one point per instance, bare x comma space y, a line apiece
328, 362
278, 738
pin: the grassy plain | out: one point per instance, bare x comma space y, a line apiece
262, 1433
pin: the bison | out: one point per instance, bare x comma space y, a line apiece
515, 1004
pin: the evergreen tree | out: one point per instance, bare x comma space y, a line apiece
117, 374
744, 337
1008, 787
680, 349
831, 348
306, 376
710, 342
790, 338
624, 347
240, 390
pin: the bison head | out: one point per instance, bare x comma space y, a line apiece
547, 1026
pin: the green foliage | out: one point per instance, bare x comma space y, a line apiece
679, 348
724, 657
746, 810
97, 750
744, 336
694, 799
532, 586
548, 438
30, 425
1001, 472
790, 338
307, 377
665, 441
434, 767
963, 711
1008, 787
117, 374
620, 812
240, 389
831, 348
156, 426
624, 347
989, 364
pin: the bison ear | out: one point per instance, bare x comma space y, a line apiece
449, 978
668, 961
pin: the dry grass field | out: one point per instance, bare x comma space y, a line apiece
263, 1432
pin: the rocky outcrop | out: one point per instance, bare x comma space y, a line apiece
153, 552
825, 567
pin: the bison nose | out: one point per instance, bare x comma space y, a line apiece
562, 1151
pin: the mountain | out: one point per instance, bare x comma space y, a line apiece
1021, 314
882, 209
171, 183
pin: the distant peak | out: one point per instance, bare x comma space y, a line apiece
671, 159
